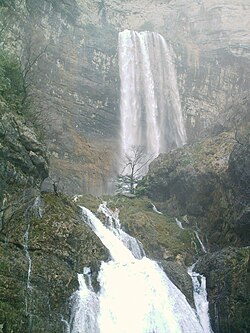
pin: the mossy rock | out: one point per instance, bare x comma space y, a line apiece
228, 277
53, 241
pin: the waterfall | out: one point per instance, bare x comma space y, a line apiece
200, 298
135, 294
150, 107
85, 308
114, 225
199, 240
179, 224
155, 209
26, 251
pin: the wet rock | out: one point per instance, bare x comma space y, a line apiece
239, 166
177, 273
49, 238
228, 275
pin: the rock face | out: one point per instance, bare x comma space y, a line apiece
72, 49
69, 55
23, 158
228, 277
197, 183
206, 185
43, 245
68, 50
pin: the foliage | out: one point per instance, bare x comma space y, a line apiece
7, 3
11, 81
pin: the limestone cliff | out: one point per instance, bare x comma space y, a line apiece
70, 49
69, 57
212, 44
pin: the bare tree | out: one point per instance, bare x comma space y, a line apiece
135, 163
27, 66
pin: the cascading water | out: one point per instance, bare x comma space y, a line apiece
200, 298
150, 107
199, 240
114, 225
33, 210
25, 247
179, 223
155, 209
135, 294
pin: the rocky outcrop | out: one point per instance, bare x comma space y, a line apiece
206, 185
23, 158
239, 173
70, 57
44, 244
228, 277
196, 182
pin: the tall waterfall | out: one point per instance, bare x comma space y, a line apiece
150, 107
135, 294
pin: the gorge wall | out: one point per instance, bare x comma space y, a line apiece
70, 51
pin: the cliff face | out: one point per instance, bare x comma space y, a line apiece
206, 185
23, 159
68, 50
70, 59
212, 44
72, 50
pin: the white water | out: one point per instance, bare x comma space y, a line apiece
199, 240
150, 107
114, 225
155, 209
28, 283
85, 309
25, 247
200, 298
36, 210
135, 294
179, 223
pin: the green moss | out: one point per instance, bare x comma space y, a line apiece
60, 244
157, 232
91, 202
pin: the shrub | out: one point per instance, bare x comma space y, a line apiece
11, 81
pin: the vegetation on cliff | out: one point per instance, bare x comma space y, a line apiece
12, 90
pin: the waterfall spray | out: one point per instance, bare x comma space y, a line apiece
135, 294
150, 106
